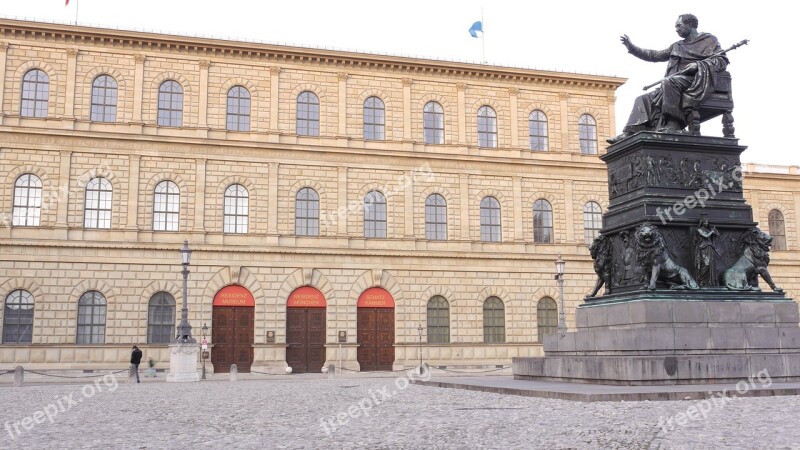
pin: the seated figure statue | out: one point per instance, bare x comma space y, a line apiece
688, 80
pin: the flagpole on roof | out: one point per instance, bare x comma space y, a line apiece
483, 36
77, 4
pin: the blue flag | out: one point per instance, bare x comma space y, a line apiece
477, 26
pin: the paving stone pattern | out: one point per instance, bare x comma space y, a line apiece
290, 414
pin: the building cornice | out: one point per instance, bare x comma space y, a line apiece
206, 48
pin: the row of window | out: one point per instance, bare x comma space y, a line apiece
91, 326
27, 207
36, 85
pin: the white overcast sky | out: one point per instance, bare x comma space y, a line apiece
567, 36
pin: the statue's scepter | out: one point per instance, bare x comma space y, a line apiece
721, 52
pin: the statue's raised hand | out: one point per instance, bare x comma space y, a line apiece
626, 41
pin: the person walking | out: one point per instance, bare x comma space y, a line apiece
136, 358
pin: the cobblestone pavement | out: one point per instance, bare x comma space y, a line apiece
370, 413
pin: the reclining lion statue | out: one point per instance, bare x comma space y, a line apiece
656, 264
743, 274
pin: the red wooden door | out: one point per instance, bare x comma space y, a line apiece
232, 336
375, 338
305, 339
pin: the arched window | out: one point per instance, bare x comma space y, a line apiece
170, 104
487, 127
27, 201
374, 119
238, 118
546, 317
306, 213
433, 123
592, 221
537, 127
438, 320
435, 218
104, 99
587, 134
91, 318
777, 230
97, 205
166, 206
161, 318
307, 114
494, 321
18, 318
542, 222
236, 205
490, 220
35, 94
374, 215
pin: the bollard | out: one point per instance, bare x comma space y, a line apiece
331, 370
132, 374
234, 372
19, 376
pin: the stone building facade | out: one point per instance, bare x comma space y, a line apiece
341, 207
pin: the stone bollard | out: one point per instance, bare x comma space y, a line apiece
19, 376
331, 370
132, 374
234, 373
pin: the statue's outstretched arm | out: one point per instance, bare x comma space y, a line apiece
645, 54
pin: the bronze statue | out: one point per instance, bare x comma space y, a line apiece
687, 81
601, 254
704, 249
743, 275
656, 263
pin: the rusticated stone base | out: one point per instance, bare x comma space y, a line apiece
673, 341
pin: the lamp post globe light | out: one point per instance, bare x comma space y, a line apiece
562, 323
184, 329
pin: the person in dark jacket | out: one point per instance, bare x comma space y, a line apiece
136, 358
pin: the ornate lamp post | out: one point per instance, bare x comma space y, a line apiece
184, 329
205, 330
419, 329
562, 323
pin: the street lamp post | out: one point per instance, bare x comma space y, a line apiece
205, 330
419, 329
562, 323
184, 329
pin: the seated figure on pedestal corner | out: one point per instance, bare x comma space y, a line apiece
686, 83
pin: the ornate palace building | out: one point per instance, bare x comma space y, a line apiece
340, 206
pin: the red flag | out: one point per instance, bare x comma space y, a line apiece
67, 3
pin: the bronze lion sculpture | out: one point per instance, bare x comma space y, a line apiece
601, 254
655, 262
743, 274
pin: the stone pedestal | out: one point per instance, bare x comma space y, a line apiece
674, 338
183, 362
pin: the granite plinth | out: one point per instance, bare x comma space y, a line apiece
672, 342
183, 362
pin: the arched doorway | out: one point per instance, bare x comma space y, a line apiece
232, 329
375, 330
305, 330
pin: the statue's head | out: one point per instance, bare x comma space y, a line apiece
685, 24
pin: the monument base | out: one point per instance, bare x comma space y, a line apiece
183, 362
662, 340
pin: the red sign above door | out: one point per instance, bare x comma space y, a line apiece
234, 296
306, 297
375, 298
